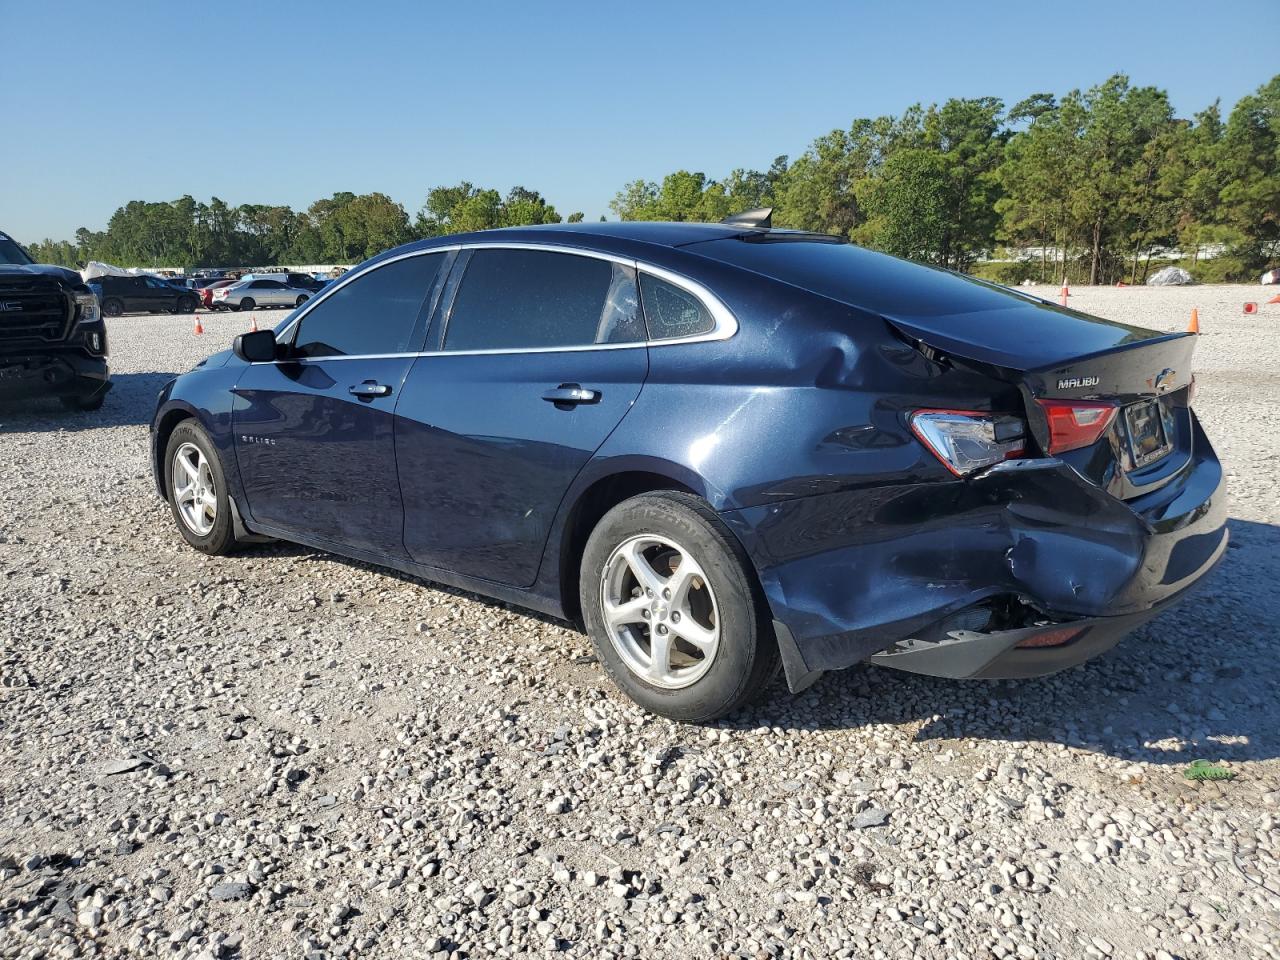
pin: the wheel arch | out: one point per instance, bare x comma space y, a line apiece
591, 504
166, 423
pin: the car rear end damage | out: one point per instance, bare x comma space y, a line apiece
1072, 497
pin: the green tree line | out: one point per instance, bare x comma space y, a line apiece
1094, 182
345, 228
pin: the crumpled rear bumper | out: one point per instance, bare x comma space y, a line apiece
851, 574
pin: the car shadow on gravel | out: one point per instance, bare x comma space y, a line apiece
1201, 680
131, 402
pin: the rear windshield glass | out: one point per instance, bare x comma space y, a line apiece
873, 281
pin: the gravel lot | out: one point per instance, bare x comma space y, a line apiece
282, 753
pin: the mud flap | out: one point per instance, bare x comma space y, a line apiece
799, 676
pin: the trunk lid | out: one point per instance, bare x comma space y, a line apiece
1048, 352
1053, 353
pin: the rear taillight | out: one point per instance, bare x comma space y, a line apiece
1076, 423
969, 440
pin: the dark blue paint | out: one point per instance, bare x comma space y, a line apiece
485, 461
794, 430
315, 459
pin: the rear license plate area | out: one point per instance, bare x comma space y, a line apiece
1144, 424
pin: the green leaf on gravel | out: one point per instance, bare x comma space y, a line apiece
1204, 770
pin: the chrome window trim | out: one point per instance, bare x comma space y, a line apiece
350, 277
726, 324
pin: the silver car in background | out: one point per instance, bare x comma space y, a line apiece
252, 294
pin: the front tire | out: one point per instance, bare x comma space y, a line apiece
672, 609
301, 301
197, 490
112, 307
187, 305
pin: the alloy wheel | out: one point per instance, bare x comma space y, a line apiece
660, 611
194, 490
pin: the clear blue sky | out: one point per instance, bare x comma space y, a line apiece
275, 102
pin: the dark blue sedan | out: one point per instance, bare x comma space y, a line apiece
720, 448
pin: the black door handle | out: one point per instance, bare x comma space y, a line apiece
571, 394
369, 389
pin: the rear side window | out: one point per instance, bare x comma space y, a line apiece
376, 313
671, 312
528, 299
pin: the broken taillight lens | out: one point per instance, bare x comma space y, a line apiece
969, 440
1076, 423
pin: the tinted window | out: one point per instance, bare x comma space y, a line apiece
10, 252
672, 312
520, 299
375, 313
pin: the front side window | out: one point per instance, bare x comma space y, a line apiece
376, 313
529, 299
672, 312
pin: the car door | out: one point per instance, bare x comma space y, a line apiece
541, 355
313, 430
135, 294
267, 292
158, 294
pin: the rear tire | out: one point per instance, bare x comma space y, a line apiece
301, 301
247, 303
112, 308
718, 606
196, 488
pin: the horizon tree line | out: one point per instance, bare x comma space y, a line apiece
1095, 182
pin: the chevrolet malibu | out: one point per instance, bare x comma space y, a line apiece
720, 448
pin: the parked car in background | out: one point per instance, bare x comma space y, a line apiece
719, 447
252, 294
208, 290
302, 281
52, 338
142, 294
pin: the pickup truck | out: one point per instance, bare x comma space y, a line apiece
53, 341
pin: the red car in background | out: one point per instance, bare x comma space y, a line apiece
206, 292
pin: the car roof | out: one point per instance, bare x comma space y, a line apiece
661, 233
625, 238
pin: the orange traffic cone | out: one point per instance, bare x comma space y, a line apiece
1065, 292
1275, 299
199, 326
253, 324
1194, 326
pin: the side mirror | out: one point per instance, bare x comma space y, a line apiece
258, 346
